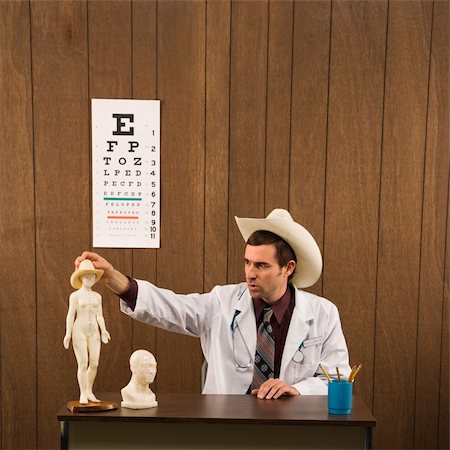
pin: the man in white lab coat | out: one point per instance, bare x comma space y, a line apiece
280, 257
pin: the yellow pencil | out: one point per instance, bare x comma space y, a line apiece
351, 372
353, 375
338, 374
325, 373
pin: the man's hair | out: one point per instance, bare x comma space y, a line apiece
283, 251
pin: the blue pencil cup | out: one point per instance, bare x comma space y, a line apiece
340, 397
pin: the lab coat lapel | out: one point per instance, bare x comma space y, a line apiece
298, 329
245, 320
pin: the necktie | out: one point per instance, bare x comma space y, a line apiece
265, 351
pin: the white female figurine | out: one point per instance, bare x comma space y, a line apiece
86, 326
137, 394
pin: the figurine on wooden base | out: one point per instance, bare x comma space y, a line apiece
86, 327
137, 394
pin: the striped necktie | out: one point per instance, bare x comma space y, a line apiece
265, 351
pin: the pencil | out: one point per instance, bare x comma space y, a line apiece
325, 373
338, 374
353, 375
351, 372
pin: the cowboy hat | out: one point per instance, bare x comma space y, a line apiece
84, 268
280, 222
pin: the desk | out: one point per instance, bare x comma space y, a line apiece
196, 421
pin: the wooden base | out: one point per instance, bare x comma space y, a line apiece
75, 406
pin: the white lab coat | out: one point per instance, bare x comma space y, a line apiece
314, 336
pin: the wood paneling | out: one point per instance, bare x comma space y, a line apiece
404, 126
444, 437
279, 75
335, 110
311, 43
59, 55
437, 146
110, 69
434, 217
181, 87
248, 79
17, 272
144, 57
353, 174
217, 134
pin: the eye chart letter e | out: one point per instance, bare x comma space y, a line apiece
126, 173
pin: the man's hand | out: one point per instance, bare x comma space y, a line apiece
115, 280
274, 388
99, 263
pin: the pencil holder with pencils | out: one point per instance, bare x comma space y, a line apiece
340, 394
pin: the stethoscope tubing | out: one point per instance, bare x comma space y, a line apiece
233, 333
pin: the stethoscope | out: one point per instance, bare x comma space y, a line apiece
233, 327
298, 356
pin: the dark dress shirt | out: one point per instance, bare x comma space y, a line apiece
280, 320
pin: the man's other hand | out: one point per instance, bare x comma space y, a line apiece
274, 388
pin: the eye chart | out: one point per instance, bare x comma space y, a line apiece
126, 173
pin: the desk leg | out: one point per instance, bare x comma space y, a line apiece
64, 433
368, 438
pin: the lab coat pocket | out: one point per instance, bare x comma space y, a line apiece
311, 350
302, 371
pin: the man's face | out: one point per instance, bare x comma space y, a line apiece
264, 276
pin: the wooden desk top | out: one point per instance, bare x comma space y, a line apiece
230, 409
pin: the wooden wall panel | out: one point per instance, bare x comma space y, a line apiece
110, 69
217, 131
249, 22
408, 48
311, 42
59, 55
279, 75
434, 217
144, 58
439, 112
444, 436
353, 174
18, 393
181, 87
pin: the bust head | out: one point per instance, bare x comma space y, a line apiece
137, 393
143, 367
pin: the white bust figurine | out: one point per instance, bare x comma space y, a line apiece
85, 325
137, 394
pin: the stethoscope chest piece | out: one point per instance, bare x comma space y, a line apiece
299, 356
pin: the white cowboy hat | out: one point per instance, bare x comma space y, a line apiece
84, 268
280, 222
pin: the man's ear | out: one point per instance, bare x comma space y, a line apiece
290, 267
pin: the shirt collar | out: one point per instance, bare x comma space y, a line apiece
279, 307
